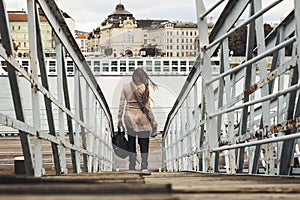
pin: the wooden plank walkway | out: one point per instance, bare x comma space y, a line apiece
155, 185
135, 186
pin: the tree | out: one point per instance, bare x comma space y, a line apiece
238, 40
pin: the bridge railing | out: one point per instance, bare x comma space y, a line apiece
246, 118
77, 113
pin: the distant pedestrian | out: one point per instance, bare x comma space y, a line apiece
138, 117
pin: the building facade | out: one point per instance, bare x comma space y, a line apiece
18, 24
122, 35
82, 42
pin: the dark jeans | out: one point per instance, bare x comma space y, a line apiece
143, 141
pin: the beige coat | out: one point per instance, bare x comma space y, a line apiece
134, 118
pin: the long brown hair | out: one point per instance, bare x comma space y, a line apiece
140, 76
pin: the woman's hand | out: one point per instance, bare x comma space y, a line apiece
120, 123
154, 124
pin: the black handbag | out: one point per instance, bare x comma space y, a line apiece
120, 143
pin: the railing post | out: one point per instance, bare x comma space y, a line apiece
181, 140
91, 137
96, 145
197, 128
230, 90
77, 115
32, 26
211, 134
88, 122
59, 64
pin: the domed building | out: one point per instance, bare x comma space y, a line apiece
118, 35
118, 16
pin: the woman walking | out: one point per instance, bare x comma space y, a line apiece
138, 117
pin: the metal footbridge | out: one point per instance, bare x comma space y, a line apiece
236, 131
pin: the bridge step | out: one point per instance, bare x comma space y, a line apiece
168, 186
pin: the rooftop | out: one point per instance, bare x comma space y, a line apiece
20, 16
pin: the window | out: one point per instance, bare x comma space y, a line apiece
149, 62
105, 69
89, 62
175, 62
122, 69
157, 63
97, 69
70, 69
182, 62
105, 63
131, 63
52, 63
174, 69
131, 69
123, 63
114, 69
140, 63
149, 69
52, 69
25, 63
166, 69
166, 63
183, 69
69, 63
157, 69
97, 63
114, 63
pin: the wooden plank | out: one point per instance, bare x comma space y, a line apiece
71, 189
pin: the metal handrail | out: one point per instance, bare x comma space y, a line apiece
99, 128
208, 124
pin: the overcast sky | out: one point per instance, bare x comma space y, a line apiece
89, 14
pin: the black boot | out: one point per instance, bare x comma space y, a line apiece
132, 161
144, 164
